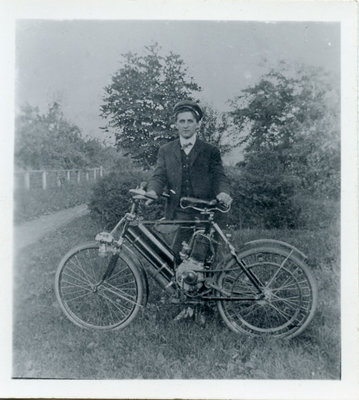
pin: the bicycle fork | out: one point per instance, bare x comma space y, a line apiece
110, 240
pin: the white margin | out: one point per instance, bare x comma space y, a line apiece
343, 11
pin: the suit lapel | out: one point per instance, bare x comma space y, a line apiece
177, 151
195, 151
176, 166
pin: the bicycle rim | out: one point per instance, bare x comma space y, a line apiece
90, 303
290, 295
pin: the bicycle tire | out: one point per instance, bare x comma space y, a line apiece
113, 304
290, 294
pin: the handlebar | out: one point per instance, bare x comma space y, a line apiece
185, 202
204, 205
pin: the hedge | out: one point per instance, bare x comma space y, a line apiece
273, 204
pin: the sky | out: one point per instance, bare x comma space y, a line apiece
71, 61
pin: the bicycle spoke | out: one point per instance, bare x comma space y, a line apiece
115, 305
91, 303
79, 296
286, 286
119, 286
93, 273
77, 278
299, 306
124, 305
285, 315
279, 269
247, 289
82, 269
70, 290
111, 315
118, 293
249, 310
76, 285
129, 273
236, 285
293, 305
125, 284
287, 304
79, 267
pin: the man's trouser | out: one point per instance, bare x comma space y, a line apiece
185, 233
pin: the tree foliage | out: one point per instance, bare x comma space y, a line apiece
292, 142
139, 101
215, 129
51, 141
296, 117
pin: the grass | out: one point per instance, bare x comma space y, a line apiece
47, 345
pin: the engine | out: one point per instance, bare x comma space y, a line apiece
195, 256
189, 275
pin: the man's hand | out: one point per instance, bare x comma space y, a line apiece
154, 195
224, 198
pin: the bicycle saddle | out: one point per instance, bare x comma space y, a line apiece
139, 193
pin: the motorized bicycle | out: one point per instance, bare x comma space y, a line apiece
263, 288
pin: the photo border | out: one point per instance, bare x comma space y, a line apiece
345, 12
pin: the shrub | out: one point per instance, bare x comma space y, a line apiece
110, 199
256, 204
317, 213
261, 203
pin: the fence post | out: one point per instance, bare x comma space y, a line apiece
58, 179
68, 174
94, 173
27, 180
78, 176
44, 180
87, 175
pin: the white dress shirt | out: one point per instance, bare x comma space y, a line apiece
187, 144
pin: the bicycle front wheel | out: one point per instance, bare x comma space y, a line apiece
289, 300
92, 302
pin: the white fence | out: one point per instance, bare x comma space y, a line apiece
44, 179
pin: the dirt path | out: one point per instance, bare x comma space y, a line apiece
31, 231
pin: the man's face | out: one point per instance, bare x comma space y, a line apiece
186, 124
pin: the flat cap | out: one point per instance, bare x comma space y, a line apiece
189, 105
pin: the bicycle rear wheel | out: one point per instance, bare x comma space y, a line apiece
90, 303
290, 294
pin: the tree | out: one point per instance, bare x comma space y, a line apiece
99, 154
139, 101
215, 129
48, 140
296, 116
292, 140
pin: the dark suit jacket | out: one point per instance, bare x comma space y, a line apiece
207, 174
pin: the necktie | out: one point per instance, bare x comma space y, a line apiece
186, 145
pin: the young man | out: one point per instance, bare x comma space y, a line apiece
188, 166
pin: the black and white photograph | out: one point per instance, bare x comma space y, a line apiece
181, 199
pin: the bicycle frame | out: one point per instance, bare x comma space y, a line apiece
263, 288
161, 257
